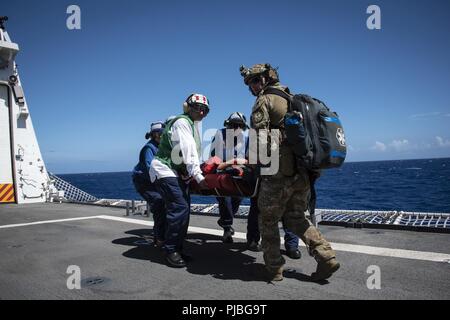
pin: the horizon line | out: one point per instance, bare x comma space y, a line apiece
439, 158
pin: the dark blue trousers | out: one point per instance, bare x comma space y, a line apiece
228, 207
148, 191
177, 202
290, 239
252, 222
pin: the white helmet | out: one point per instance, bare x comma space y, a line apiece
157, 126
195, 99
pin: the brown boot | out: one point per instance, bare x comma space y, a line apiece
325, 269
275, 275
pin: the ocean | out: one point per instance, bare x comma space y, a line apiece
406, 185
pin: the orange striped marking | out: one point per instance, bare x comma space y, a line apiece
7, 193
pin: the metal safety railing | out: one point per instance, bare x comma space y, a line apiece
353, 218
400, 219
71, 192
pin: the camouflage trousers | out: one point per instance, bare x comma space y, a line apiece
287, 197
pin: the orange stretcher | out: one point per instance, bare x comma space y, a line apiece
228, 179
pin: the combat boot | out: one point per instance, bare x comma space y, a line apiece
321, 250
325, 268
275, 275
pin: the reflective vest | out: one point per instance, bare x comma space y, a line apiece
166, 145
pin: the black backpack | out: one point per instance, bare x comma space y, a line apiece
313, 131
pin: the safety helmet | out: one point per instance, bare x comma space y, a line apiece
195, 99
155, 127
237, 118
262, 69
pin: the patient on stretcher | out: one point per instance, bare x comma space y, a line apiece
233, 178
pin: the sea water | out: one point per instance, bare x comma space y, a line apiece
408, 185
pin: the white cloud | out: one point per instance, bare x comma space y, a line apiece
426, 115
404, 145
400, 145
442, 142
379, 146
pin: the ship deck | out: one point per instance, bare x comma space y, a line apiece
38, 243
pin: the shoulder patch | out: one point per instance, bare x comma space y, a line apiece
257, 116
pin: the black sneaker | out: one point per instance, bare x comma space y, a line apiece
293, 253
253, 246
186, 257
228, 235
175, 260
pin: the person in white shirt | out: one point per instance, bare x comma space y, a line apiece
175, 164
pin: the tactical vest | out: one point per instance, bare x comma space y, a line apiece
165, 146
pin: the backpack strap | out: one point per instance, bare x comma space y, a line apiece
280, 93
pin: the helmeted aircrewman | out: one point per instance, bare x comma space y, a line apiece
285, 194
174, 166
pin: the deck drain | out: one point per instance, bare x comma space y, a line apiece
15, 246
89, 282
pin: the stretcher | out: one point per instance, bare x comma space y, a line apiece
229, 179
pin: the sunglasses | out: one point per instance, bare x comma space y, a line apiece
254, 80
235, 126
200, 108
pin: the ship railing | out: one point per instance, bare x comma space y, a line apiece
357, 218
69, 192
438, 220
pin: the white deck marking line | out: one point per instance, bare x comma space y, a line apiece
376, 251
394, 253
128, 220
45, 222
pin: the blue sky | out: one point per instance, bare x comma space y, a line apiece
92, 93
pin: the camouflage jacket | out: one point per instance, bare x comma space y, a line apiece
268, 113
269, 110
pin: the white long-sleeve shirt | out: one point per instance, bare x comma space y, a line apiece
182, 138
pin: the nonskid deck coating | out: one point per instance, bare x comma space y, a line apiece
114, 250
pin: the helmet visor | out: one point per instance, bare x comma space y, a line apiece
200, 108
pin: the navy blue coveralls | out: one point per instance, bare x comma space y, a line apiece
143, 185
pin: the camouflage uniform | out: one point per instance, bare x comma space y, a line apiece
285, 194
